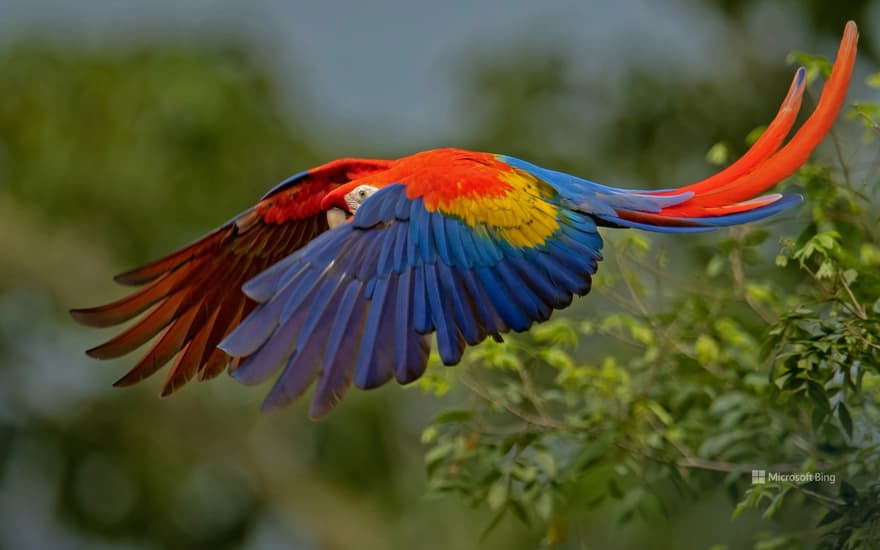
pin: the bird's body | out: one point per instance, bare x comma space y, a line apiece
348, 268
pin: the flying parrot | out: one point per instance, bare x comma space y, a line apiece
342, 273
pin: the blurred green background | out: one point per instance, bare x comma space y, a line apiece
129, 129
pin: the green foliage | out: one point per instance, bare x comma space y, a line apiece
150, 143
761, 364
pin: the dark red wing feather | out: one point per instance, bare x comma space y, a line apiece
192, 298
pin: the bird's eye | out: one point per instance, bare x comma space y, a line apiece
358, 196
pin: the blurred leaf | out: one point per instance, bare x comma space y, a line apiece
454, 416
718, 154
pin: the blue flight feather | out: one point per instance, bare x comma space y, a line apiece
324, 300
488, 319
403, 316
265, 285
304, 364
274, 352
369, 370
538, 280
300, 291
421, 309
438, 230
424, 241
469, 247
253, 331
455, 292
447, 335
561, 276
342, 344
521, 294
403, 206
458, 257
399, 258
504, 304
383, 263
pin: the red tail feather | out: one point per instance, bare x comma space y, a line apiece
722, 190
765, 146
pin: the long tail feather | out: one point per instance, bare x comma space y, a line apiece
769, 142
796, 152
730, 196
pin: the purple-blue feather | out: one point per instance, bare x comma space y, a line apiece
342, 343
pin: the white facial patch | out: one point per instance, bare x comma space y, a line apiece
356, 197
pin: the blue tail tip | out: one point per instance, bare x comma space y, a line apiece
800, 76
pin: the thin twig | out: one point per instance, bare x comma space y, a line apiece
546, 422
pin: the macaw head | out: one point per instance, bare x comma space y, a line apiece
418, 170
343, 202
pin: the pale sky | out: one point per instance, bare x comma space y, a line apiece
387, 67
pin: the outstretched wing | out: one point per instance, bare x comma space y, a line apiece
193, 296
360, 301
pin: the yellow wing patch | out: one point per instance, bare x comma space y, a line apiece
521, 216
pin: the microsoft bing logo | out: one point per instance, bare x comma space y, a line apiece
760, 477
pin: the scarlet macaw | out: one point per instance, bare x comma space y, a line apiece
347, 269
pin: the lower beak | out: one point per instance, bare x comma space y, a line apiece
336, 216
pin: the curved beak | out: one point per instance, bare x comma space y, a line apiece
336, 217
